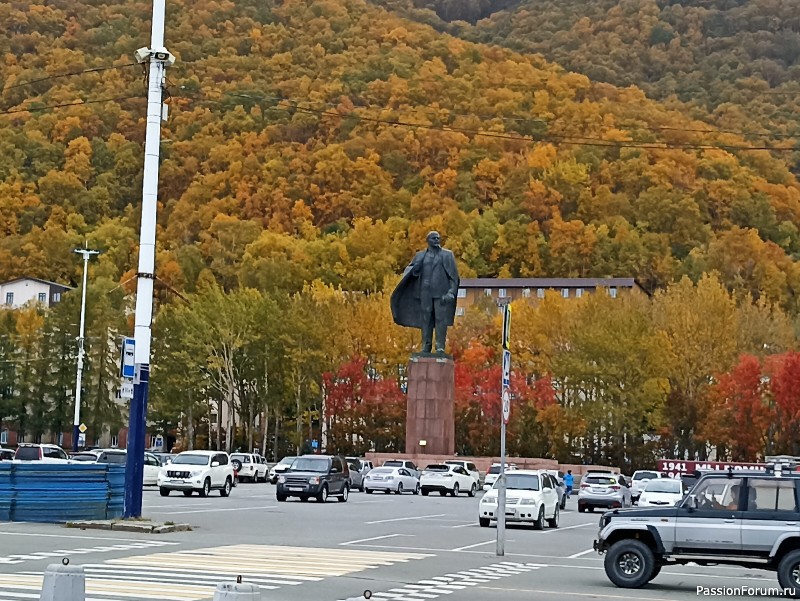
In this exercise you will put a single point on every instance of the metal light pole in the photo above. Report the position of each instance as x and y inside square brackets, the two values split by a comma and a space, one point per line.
[158, 58]
[505, 395]
[76, 422]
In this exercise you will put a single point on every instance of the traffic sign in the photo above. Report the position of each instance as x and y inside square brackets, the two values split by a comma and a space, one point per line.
[81, 439]
[159, 441]
[128, 362]
[315, 444]
[82, 428]
[506, 405]
[506, 326]
[506, 369]
[126, 390]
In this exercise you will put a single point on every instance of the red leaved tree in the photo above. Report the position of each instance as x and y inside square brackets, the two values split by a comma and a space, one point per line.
[784, 373]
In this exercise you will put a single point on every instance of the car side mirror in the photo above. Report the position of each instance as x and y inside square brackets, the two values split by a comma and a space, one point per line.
[334, 470]
[215, 464]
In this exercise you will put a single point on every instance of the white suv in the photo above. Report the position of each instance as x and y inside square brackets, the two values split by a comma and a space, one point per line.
[640, 479]
[197, 470]
[251, 466]
[46, 453]
[531, 497]
[470, 467]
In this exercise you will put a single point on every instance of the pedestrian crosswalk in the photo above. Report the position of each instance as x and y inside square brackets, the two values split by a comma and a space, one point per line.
[191, 575]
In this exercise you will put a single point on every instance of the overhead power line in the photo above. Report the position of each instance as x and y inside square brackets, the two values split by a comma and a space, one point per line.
[70, 74]
[37, 109]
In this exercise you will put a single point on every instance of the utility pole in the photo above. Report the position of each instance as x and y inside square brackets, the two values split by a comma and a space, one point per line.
[158, 58]
[76, 423]
[505, 395]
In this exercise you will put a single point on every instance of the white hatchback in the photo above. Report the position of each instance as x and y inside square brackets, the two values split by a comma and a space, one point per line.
[662, 492]
[197, 470]
[447, 478]
[531, 497]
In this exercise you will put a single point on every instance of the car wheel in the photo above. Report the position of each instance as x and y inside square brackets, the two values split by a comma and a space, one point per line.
[304, 498]
[281, 498]
[425, 492]
[539, 523]
[564, 503]
[345, 494]
[581, 508]
[789, 574]
[655, 572]
[484, 522]
[361, 487]
[187, 493]
[399, 490]
[553, 522]
[591, 508]
[629, 564]
[455, 490]
[471, 492]
[442, 493]
[386, 491]
[368, 491]
[164, 492]
[206, 490]
[416, 490]
[322, 497]
[226, 490]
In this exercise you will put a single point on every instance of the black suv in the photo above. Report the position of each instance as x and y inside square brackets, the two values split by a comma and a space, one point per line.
[318, 476]
[744, 518]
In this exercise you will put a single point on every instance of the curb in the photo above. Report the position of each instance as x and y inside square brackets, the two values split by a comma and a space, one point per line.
[140, 527]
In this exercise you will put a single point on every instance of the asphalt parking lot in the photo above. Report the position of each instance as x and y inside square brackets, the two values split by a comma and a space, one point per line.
[398, 547]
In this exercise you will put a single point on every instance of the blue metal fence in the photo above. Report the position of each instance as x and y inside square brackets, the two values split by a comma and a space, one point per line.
[60, 492]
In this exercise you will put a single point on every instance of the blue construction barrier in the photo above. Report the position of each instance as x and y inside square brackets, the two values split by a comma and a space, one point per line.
[60, 492]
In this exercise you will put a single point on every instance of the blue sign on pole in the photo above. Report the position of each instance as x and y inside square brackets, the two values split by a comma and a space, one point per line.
[315, 444]
[506, 369]
[159, 441]
[128, 362]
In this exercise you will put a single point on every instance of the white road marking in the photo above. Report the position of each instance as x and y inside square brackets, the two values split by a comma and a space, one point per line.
[556, 530]
[576, 555]
[364, 540]
[488, 542]
[89, 538]
[463, 525]
[559, 593]
[416, 517]
[216, 510]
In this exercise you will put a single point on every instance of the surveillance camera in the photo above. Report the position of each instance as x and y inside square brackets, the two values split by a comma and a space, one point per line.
[164, 55]
[142, 55]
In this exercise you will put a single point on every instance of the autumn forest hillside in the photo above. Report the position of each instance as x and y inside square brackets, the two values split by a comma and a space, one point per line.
[321, 139]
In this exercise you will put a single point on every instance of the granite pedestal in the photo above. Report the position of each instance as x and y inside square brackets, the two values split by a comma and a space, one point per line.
[430, 421]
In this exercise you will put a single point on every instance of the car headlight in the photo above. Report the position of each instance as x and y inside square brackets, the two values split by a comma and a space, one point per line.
[281, 479]
[489, 499]
[313, 480]
[528, 502]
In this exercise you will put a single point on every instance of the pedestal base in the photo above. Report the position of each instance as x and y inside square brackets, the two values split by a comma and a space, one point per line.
[430, 421]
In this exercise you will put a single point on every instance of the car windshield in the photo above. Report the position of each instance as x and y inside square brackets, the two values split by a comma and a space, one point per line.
[381, 470]
[191, 459]
[521, 482]
[86, 457]
[437, 468]
[605, 480]
[645, 476]
[240, 457]
[28, 453]
[118, 458]
[393, 464]
[664, 485]
[287, 461]
[495, 469]
[310, 464]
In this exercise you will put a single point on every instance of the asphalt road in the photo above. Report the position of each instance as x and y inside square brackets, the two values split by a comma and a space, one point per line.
[398, 547]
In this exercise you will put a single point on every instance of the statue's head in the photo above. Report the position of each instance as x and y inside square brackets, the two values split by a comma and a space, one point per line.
[434, 240]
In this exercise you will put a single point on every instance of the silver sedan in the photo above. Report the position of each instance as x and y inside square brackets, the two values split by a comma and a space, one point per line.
[391, 479]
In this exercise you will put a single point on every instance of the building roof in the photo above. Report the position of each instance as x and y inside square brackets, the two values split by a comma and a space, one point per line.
[548, 282]
[48, 282]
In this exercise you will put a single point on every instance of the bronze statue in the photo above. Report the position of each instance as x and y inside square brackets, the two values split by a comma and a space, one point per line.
[426, 295]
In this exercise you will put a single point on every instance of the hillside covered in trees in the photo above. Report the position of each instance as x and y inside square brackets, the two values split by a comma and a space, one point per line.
[310, 146]
[733, 62]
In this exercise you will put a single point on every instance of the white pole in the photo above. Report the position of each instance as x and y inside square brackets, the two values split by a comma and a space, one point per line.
[158, 57]
[76, 422]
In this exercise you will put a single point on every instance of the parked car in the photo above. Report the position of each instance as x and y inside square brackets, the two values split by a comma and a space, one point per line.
[558, 476]
[165, 458]
[152, 465]
[356, 476]
[447, 478]
[470, 467]
[409, 465]
[494, 472]
[364, 465]
[47, 453]
[318, 476]
[640, 479]
[6, 454]
[200, 471]
[280, 468]
[250, 466]
[662, 492]
[391, 479]
[603, 490]
[531, 497]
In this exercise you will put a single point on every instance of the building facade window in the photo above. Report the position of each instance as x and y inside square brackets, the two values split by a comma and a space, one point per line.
[3, 436]
[503, 293]
[487, 291]
[114, 441]
[462, 293]
[9, 298]
[42, 297]
[612, 292]
[578, 292]
[56, 297]
[540, 293]
[565, 293]
[526, 293]
[152, 441]
[460, 311]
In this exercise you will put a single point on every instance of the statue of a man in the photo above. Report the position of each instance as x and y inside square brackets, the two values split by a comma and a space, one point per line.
[426, 295]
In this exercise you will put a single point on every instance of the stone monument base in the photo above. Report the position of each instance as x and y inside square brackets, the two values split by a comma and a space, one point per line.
[430, 421]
